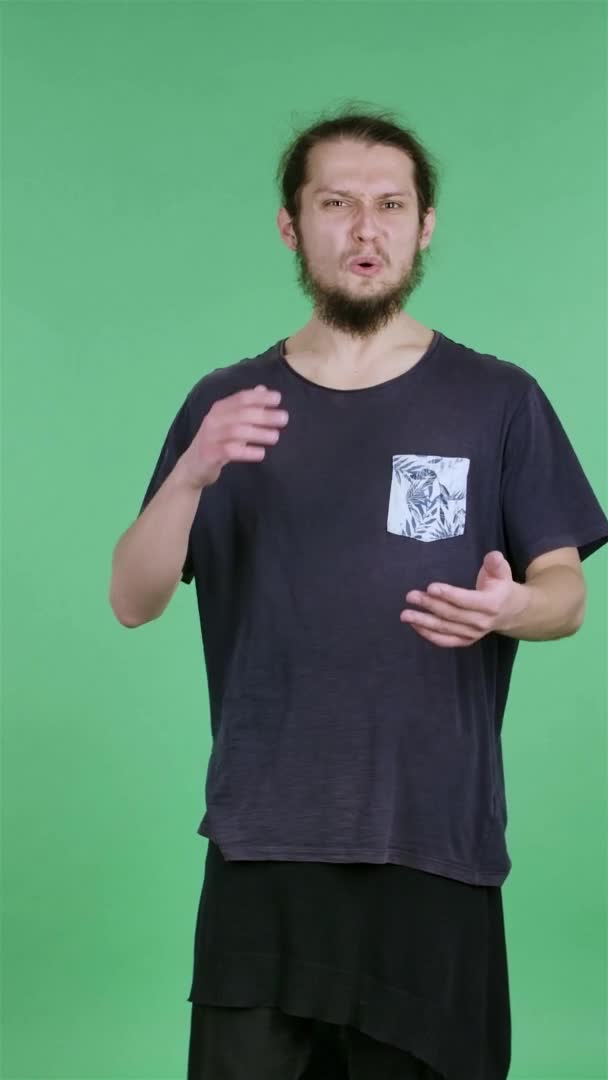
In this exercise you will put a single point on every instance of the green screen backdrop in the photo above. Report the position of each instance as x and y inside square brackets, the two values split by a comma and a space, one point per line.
[140, 251]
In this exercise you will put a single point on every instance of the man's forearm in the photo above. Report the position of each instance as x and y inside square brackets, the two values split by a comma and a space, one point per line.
[552, 606]
[148, 559]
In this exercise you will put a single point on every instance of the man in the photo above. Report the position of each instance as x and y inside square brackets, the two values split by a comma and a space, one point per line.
[374, 516]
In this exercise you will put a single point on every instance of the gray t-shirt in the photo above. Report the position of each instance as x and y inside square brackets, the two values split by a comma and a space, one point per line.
[339, 733]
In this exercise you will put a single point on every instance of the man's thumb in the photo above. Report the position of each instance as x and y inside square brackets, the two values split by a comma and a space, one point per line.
[496, 565]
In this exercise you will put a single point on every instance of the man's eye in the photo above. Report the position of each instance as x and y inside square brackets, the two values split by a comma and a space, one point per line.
[389, 202]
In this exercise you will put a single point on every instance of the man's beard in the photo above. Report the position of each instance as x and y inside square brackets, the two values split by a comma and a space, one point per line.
[359, 316]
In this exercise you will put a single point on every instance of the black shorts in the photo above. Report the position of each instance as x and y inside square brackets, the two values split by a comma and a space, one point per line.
[267, 1044]
[347, 961]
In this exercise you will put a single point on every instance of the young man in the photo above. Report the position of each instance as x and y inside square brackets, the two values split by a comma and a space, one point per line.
[374, 516]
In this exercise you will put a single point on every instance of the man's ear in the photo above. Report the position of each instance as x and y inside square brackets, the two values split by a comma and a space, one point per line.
[286, 229]
[428, 228]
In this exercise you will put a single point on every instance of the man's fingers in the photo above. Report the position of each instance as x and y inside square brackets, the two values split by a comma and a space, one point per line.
[236, 451]
[260, 395]
[252, 415]
[472, 599]
[233, 413]
[443, 640]
[450, 612]
[437, 625]
[249, 433]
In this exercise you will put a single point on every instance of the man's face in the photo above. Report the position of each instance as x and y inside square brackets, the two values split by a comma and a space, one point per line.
[361, 200]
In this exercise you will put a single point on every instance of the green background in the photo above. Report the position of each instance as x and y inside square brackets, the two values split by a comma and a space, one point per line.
[139, 251]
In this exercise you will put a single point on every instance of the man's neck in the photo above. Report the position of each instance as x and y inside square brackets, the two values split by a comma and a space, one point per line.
[319, 355]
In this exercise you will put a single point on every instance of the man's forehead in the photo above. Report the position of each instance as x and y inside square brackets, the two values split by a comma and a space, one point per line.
[362, 171]
[346, 188]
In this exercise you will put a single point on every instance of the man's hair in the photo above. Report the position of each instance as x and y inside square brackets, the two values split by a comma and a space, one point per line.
[366, 127]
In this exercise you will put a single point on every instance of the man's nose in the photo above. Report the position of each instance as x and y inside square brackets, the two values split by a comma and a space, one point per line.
[366, 225]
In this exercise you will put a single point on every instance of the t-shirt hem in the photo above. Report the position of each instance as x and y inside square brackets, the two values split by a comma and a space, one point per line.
[401, 856]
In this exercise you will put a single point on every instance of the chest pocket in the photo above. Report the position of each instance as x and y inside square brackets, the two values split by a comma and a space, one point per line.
[428, 499]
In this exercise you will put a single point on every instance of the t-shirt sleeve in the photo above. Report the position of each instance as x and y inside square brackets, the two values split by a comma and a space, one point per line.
[547, 500]
[178, 438]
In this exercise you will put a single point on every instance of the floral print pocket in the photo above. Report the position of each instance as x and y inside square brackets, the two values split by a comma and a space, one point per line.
[428, 496]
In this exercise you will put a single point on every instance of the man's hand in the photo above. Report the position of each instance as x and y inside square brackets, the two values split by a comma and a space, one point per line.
[236, 428]
[455, 617]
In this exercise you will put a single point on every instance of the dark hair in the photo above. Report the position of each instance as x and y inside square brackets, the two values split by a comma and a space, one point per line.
[367, 127]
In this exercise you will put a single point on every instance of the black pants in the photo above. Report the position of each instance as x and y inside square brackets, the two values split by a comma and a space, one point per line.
[231, 1043]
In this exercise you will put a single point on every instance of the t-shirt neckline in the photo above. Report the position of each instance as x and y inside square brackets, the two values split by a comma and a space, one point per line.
[408, 375]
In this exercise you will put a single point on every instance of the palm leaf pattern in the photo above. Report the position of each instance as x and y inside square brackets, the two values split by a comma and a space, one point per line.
[428, 496]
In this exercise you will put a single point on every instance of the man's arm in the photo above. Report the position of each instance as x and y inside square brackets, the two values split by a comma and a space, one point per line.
[554, 598]
[148, 559]
[551, 603]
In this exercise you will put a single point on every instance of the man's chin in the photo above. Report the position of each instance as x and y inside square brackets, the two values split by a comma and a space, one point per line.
[357, 319]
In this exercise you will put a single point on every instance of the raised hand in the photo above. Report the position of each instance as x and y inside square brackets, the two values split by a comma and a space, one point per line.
[236, 428]
[456, 617]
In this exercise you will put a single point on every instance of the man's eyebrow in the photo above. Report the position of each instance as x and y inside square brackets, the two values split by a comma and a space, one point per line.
[348, 194]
